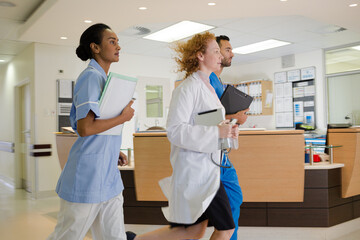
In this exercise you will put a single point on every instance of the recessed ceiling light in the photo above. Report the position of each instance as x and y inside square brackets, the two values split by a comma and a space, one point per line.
[7, 4]
[178, 31]
[356, 47]
[283, 0]
[260, 46]
[63, 38]
[211, 4]
[353, 5]
[142, 8]
[87, 21]
[2, 60]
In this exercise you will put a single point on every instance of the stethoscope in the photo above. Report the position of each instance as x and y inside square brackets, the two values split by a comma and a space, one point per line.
[223, 152]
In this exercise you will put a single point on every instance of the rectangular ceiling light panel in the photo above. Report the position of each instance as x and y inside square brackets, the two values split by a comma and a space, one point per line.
[178, 31]
[260, 46]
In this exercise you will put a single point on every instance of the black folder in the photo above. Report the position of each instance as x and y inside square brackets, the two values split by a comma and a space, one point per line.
[235, 100]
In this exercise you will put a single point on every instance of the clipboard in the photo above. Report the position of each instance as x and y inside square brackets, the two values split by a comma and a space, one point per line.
[117, 93]
[210, 118]
[235, 100]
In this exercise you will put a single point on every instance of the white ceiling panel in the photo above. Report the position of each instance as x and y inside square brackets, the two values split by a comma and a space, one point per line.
[304, 23]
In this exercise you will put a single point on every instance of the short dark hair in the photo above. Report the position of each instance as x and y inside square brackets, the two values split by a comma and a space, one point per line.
[222, 37]
[91, 35]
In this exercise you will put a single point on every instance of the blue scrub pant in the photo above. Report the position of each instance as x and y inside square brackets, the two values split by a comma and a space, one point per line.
[230, 181]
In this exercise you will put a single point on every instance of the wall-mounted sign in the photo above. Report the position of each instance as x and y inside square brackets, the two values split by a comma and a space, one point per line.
[293, 75]
[307, 73]
[280, 77]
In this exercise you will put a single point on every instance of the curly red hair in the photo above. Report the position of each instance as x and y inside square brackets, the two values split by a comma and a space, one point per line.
[187, 59]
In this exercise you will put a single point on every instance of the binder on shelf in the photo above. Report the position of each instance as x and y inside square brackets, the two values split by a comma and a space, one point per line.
[117, 93]
[234, 100]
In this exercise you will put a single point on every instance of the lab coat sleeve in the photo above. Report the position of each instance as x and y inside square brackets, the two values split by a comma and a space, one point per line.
[180, 130]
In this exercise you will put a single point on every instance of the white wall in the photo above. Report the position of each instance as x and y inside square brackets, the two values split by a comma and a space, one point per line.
[11, 74]
[42, 62]
[49, 59]
[266, 69]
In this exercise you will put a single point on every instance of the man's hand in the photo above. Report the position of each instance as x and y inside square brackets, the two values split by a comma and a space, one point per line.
[122, 159]
[240, 116]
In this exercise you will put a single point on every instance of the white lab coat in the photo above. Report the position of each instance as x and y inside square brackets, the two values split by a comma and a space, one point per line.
[195, 178]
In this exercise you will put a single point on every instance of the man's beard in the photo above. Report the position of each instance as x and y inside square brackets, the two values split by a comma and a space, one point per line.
[226, 63]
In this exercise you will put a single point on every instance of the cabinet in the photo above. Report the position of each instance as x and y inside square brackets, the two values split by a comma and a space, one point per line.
[262, 91]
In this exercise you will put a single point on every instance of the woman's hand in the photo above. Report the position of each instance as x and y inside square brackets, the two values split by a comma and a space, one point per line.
[225, 129]
[123, 160]
[234, 131]
[128, 112]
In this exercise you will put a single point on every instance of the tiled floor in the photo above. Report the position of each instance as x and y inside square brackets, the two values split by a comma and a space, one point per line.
[24, 218]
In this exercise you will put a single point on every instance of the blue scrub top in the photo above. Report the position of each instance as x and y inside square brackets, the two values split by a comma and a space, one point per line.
[91, 174]
[217, 85]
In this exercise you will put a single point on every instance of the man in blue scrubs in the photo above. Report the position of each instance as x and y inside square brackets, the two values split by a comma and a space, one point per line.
[228, 175]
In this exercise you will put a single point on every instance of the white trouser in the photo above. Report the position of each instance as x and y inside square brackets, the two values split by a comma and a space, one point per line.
[106, 220]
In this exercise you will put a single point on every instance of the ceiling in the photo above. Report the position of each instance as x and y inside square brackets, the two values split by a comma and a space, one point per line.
[307, 24]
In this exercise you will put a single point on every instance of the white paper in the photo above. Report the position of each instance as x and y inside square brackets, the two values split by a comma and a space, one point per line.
[288, 90]
[298, 92]
[309, 90]
[280, 77]
[279, 104]
[65, 88]
[288, 104]
[117, 95]
[288, 119]
[280, 120]
[302, 84]
[279, 90]
[309, 104]
[308, 73]
[284, 119]
[293, 75]
[299, 109]
[268, 101]
[309, 117]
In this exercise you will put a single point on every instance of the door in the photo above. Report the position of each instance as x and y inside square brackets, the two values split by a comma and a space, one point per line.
[25, 125]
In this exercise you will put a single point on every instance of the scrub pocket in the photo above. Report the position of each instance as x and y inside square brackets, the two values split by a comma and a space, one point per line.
[88, 173]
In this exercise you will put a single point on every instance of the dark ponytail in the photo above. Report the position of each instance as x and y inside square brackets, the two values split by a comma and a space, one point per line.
[91, 35]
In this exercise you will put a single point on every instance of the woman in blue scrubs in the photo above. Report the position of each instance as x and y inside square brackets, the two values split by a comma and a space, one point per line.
[90, 186]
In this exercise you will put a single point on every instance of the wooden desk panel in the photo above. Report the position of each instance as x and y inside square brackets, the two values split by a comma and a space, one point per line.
[152, 163]
[348, 154]
[270, 167]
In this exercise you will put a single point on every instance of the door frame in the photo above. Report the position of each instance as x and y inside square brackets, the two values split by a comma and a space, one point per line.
[18, 136]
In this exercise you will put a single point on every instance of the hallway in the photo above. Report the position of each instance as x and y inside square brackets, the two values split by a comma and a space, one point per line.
[25, 218]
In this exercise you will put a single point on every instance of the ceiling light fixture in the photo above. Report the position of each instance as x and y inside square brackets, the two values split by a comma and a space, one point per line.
[142, 8]
[7, 4]
[260, 46]
[353, 5]
[283, 0]
[87, 21]
[178, 31]
[211, 4]
[356, 47]
[63, 38]
[2, 60]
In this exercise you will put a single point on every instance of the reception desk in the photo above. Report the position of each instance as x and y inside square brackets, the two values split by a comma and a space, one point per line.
[349, 155]
[278, 188]
[270, 165]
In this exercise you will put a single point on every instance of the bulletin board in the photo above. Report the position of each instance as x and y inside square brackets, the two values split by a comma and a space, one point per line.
[295, 97]
[64, 96]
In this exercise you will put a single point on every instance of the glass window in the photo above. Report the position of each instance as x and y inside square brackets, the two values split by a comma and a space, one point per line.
[154, 101]
[342, 59]
[344, 98]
